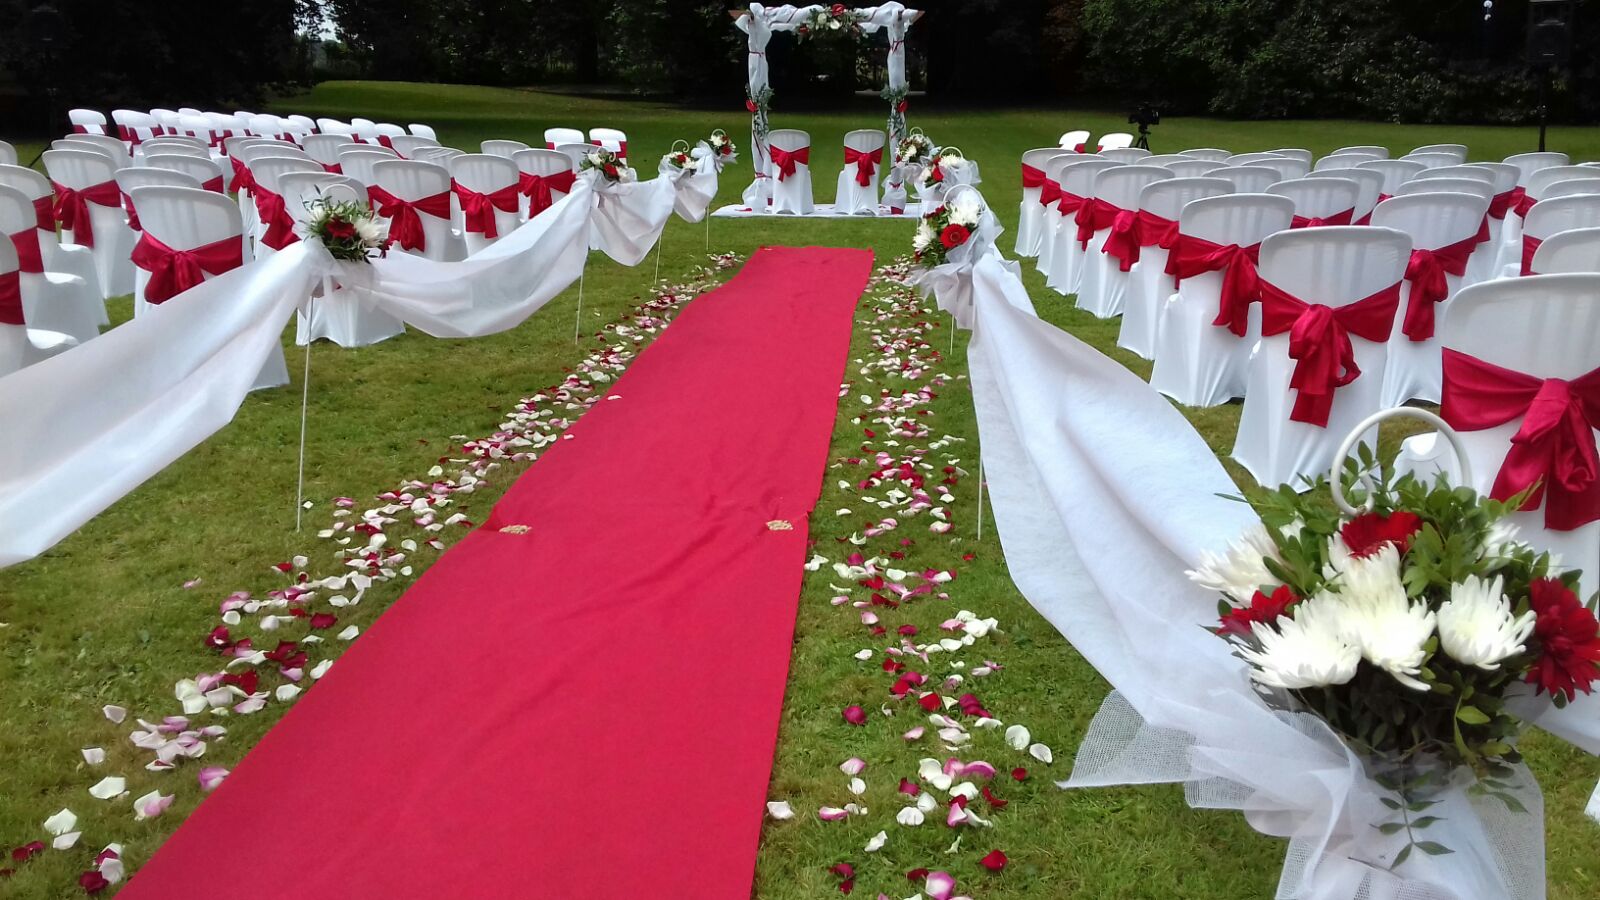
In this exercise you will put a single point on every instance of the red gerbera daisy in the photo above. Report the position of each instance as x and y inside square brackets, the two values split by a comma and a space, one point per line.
[1569, 640]
[1263, 608]
[954, 235]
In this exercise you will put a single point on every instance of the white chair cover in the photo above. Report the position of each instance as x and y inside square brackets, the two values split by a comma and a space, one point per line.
[1192, 168]
[1116, 140]
[1395, 172]
[1367, 149]
[1198, 363]
[339, 317]
[1247, 179]
[113, 239]
[791, 195]
[1458, 151]
[266, 170]
[412, 180]
[1063, 261]
[87, 121]
[1210, 154]
[8, 154]
[1511, 233]
[1103, 289]
[487, 174]
[1551, 217]
[1568, 252]
[68, 259]
[1370, 183]
[854, 198]
[1320, 198]
[21, 345]
[555, 137]
[1030, 211]
[1076, 141]
[1435, 160]
[422, 130]
[577, 151]
[1333, 266]
[1301, 154]
[543, 163]
[508, 148]
[51, 301]
[611, 139]
[1125, 155]
[358, 163]
[1336, 161]
[1464, 170]
[112, 147]
[324, 149]
[1149, 285]
[406, 146]
[1412, 370]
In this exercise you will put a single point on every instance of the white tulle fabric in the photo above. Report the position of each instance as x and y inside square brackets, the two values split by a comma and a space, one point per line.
[1104, 495]
[86, 427]
[696, 185]
[950, 283]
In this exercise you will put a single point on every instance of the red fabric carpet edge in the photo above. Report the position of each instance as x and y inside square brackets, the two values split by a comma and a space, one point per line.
[588, 709]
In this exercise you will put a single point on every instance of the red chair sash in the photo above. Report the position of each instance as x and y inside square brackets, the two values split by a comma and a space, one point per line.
[133, 214]
[622, 149]
[1482, 237]
[786, 160]
[1033, 177]
[1553, 452]
[44, 213]
[1427, 273]
[80, 129]
[1069, 204]
[174, 271]
[29, 257]
[272, 211]
[477, 209]
[1095, 215]
[1157, 231]
[11, 299]
[1241, 283]
[405, 216]
[539, 189]
[1500, 203]
[1122, 244]
[1530, 246]
[1049, 191]
[1338, 218]
[866, 163]
[384, 141]
[1080, 147]
[72, 208]
[243, 180]
[1520, 201]
[1319, 342]
[335, 168]
[213, 185]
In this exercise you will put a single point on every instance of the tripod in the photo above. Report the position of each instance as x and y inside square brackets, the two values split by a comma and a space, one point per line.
[1143, 143]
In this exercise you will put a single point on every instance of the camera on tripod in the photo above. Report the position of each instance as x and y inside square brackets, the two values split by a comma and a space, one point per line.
[1144, 115]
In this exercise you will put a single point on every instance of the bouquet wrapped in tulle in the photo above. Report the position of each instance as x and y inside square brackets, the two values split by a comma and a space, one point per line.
[608, 165]
[348, 229]
[947, 228]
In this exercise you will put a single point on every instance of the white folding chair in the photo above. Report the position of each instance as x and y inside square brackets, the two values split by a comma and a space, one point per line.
[1103, 289]
[92, 178]
[1125, 155]
[1371, 184]
[1209, 154]
[1568, 252]
[113, 147]
[1160, 208]
[1320, 201]
[423, 131]
[66, 258]
[203, 170]
[857, 190]
[1366, 149]
[422, 188]
[554, 137]
[1444, 230]
[274, 232]
[87, 121]
[1114, 141]
[576, 152]
[546, 176]
[1459, 151]
[611, 139]
[1197, 362]
[1076, 141]
[324, 149]
[1435, 160]
[406, 146]
[791, 193]
[365, 129]
[1063, 261]
[1247, 179]
[1541, 327]
[20, 345]
[1032, 210]
[1303, 155]
[8, 154]
[1334, 267]
[1395, 172]
[1338, 161]
[487, 186]
[1193, 168]
[52, 301]
[1549, 218]
[358, 163]
[1511, 232]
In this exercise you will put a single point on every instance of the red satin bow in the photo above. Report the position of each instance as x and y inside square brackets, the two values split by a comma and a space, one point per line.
[384, 141]
[29, 257]
[1145, 230]
[11, 299]
[786, 160]
[133, 214]
[1553, 452]
[72, 208]
[1427, 273]
[1079, 147]
[1367, 219]
[405, 219]
[213, 185]
[1094, 215]
[538, 188]
[1520, 201]
[1530, 246]
[335, 168]
[1500, 203]
[1319, 342]
[1032, 177]
[1069, 204]
[1241, 283]
[477, 209]
[44, 213]
[1049, 191]
[866, 163]
[174, 271]
[242, 179]
[271, 210]
[1339, 218]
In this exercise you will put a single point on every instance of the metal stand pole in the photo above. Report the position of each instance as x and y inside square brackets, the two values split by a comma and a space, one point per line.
[305, 404]
[577, 321]
[980, 497]
[659, 241]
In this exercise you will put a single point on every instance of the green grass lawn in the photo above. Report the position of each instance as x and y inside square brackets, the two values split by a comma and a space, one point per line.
[105, 617]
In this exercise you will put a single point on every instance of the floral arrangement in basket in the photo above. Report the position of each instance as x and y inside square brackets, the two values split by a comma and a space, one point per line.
[915, 149]
[723, 149]
[608, 164]
[1410, 628]
[948, 227]
[837, 19]
[348, 229]
[947, 164]
[678, 157]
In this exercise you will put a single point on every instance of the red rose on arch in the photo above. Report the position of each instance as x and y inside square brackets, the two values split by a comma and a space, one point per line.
[750, 105]
[1367, 533]
[838, 9]
[1569, 641]
[902, 106]
[1263, 608]
[954, 235]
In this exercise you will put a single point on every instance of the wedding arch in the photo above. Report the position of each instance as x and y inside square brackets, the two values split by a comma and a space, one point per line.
[759, 22]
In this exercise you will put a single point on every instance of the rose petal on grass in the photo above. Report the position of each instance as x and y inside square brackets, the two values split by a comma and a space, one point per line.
[108, 787]
[780, 810]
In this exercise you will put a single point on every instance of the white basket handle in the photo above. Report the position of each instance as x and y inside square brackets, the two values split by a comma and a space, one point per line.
[678, 149]
[1376, 418]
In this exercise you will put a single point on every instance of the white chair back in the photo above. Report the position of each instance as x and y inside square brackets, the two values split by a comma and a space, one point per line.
[79, 169]
[1210, 154]
[325, 148]
[365, 129]
[1189, 168]
[1319, 198]
[1470, 186]
[1435, 160]
[1077, 176]
[1038, 156]
[406, 145]
[1169, 198]
[423, 131]
[873, 139]
[358, 163]
[300, 188]
[611, 139]
[1459, 151]
[505, 148]
[78, 143]
[1339, 161]
[1121, 186]
[1239, 218]
[1304, 156]
[304, 125]
[201, 170]
[1115, 141]
[1529, 163]
[113, 147]
[413, 180]
[1124, 155]
[1539, 181]
[334, 126]
[1364, 149]
[1163, 159]
[185, 218]
[1072, 140]
[1482, 173]
[8, 154]
[269, 169]
[553, 137]
[128, 179]
[1247, 179]
[170, 145]
[1571, 188]
[577, 152]
[390, 130]
[87, 121]
[1505, 175]
[1551, 217]
[1433, 220]
[1371, 187]
[542, 162]
[1571, 251]
[1395, 172]
[487, 174]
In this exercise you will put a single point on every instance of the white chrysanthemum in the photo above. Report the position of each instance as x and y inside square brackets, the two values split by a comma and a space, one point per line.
[370, 229]
[1375, 614]
[965, 208]
[1307, 651]
[1239, 571]
[1501, 540]
[1477, 627]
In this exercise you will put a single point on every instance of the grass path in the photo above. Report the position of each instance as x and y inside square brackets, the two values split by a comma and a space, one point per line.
[105, 618]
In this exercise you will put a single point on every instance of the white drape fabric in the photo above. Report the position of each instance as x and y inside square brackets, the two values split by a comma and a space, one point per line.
[1103, 496]
[85, 428]
[696, 186]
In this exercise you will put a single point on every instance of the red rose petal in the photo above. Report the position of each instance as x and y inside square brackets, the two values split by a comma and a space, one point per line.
[855, 715]
[994, 862]
[1020, 774]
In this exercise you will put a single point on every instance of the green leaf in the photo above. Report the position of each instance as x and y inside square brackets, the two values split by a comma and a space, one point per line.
[1433, 848]
[1405, 854]
[1391, 803]
[1390, 827]
[1425, 821]
[1472, 715]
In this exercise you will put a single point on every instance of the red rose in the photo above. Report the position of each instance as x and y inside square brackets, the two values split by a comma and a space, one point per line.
[750, 105]
[838, 9]
[954, 236]
[1262, 609]
[1367, 533]
[340, 230]
[724, 150]
[902, 106]
[1569, 640]
[611, 170]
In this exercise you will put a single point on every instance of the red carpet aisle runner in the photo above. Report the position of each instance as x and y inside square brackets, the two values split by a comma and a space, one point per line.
[587, 709]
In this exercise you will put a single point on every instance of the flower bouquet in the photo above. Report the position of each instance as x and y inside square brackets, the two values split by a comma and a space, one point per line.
[915, 149]
[945, 168]
[1416, 629]
[835, 20]
[943, 230]
[607, 165]
[677, 159]
[349, 229]
[722, 148]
